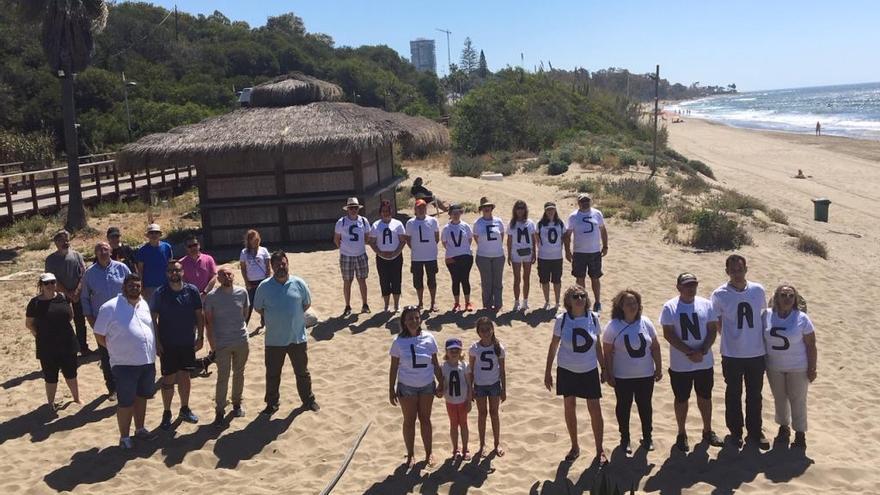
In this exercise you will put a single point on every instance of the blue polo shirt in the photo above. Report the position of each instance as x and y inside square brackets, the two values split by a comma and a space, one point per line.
[155, 260]
[101, 284]
[282, 306]
[177, 314]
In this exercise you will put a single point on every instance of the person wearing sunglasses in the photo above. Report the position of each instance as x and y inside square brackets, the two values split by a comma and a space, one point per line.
[152, 261]
[791, 362]
[351, 237]
[199, 269]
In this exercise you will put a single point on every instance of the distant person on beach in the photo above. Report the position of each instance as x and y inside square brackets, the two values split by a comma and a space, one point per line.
[255, 267]
[488, 379]
[457, 392]
[419, 191]
[124, 326]
[586, 242]
[521, 253]
[791, 362]
[48, 316]
[411, 380]
[457, 237]
[102, 282]
[739, 304]
[690, 325]
[800, 175]
[386, 239]
[549, 236]
[422, 235]
[121, 251]
[633, 361]
[152, 261]
[199, 269]
[350, 237]
[576, 337]
[489, 233]
[818, 129]
[68, 267]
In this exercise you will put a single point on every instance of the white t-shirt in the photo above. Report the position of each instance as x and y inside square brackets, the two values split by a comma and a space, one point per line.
[255, 265]
[486, 368]
[521, 236]
[128, 330]
[416, 368]
[578, 338]
[586, 232]
[490, 237]
[632, 347]
[690, 322]
[740, 314]
[786, 350]
[353, 235]
[387, 234]
[457, 239]
[422, 239]
[455, 378]
[551, 240]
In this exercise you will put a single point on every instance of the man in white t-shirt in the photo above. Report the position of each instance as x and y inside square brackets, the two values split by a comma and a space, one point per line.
[739, 304]
[351, 238]
[422, 236]
[586, 232]
[690, 325]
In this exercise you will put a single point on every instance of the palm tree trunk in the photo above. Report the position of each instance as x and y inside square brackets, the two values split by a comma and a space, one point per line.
[76, 213]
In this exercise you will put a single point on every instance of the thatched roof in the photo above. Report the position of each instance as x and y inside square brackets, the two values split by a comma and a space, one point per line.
[295, 88]
[321, 126]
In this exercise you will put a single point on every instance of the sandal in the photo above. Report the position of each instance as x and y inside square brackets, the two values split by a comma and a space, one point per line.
[456, 454]
[499, 451]
[572, 455]
[466, 455]
[601, 459]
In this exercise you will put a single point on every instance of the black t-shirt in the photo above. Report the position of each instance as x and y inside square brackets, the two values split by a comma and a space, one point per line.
[55, 335]
[125, 255]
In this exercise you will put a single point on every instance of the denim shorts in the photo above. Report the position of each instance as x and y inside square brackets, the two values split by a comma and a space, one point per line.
[407, 391]
[134, 381]
[493, 390]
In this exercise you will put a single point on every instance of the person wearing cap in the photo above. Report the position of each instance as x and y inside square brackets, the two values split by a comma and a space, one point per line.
[48, 317]
[457, 237]
[386, 240]
[740, 304]
[489, 233]
[550, 232]
[152, 261]
[199, 269]
[120, 251]
[690, 325]
[457, 393]
[521, 252]
[419, 191]
[350, 237]
[68, 267]
[422, 236]
[101, 282]
[586, 242]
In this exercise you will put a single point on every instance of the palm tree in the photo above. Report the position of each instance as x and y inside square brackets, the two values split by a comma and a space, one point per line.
[67, 34]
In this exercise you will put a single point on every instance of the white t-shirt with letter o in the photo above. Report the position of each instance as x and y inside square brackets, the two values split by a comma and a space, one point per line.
[584, 226]
[416, 368]
[387, 234]
[632, 347]
[422, 238]
[486, 368]
[457, 239]
[690, 321]
[551, 240]
[578, 338]
[490, 237]
[786, 349]
[740, 312]
[352, 235]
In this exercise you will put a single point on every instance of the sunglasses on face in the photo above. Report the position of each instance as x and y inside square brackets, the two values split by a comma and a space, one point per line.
[50, 282]
[578, 297]
[786, 294]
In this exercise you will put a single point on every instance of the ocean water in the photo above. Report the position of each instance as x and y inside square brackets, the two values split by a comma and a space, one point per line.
[851, 110]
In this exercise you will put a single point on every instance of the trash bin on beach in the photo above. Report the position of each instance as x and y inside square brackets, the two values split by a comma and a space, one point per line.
[820, 209]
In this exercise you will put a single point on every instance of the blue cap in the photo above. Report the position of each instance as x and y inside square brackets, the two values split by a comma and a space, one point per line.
[453, 344]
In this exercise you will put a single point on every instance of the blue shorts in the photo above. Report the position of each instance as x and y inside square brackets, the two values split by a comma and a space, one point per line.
[407, 391]
[134, 381]
[493, 390]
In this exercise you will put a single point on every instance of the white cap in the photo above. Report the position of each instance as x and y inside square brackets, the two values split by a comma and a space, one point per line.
[47, 277]
[153, 227]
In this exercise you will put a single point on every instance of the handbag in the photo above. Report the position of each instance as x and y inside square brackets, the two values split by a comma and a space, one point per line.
[526, 251]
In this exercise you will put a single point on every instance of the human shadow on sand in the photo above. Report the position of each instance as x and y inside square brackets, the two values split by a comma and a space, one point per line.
[40, 425]
[462, 475]
[325, 330]
[14, 382]
[562, 485]
[244, 444]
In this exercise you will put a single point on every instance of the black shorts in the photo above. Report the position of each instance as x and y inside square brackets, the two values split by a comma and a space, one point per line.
[583, 264]
[177, 358]
[550, 271]
[65, 362]
[582, 385]
[417, 268]
[700, 380]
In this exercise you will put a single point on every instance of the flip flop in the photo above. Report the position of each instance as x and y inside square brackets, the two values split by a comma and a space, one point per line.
[466, 455]
[601, 459]
[572, 455]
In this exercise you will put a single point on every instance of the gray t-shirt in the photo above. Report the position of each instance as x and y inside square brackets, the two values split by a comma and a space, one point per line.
[228, 318]
[68, 269]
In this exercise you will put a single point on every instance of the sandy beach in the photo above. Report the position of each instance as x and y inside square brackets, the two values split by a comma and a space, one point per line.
[299, 452]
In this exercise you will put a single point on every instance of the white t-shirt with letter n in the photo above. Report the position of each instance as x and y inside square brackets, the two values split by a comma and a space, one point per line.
[457, 239]
[786, 350]
[387, 234]
[422, 240]
[740, 312]
[690, 322]
[584, 227]
[353, 235]
[456, 381]
[551, 240]
[632, 347]
[490, 237]
[578, 338]
[416, 368]
[486, 368]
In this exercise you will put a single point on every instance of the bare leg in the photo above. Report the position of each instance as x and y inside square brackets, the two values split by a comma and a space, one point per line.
[496, 424]
[557, 288]
[580, 281]
[183, 386]
[432, 289]
[517, 269]
[597, 286]
[140, 412]
[465, 433]
[420, 292]
[482, 414]
[51, 388]
[571, 422]
[386, 298]
[168, 390]
[73, 385]
[705, 407]
[545, 288]
[346, 292]
[681, 414]
[396, 300]
[424, 413]
[410, 407]
[526, 279]
[362, 285]
[123, 419]
[597, 423]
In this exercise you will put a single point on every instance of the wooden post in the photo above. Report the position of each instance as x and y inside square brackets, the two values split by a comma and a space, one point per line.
[116, 179]
[134, 187]
[34, 194]
[57, 189]
[8, 193]
[176, 175]
[97, 174]
[163, 175]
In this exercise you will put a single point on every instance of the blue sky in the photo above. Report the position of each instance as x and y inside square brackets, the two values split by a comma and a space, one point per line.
[755, 44]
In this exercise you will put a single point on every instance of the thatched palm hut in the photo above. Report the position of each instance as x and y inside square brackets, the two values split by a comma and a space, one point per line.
[287, 163]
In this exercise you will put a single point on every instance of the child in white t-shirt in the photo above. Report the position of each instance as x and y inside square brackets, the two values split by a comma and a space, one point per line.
[521, 252]
[458, 396]
[488, 381]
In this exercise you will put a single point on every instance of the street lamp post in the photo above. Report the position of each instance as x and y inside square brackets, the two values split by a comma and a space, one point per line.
[125, 85]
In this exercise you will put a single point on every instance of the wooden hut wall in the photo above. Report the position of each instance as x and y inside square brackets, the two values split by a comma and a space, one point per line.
[385, 158]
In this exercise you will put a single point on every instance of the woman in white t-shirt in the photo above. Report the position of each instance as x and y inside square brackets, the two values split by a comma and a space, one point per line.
[385, 239]
[350, 237]
[791, 362]
[549, 236]
[632, 356]
[489, 234]
[576, 336]
[521, 252]
[255, 267]
[414, 367]
[457, 237]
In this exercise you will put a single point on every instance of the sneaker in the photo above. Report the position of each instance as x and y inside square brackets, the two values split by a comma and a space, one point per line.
[761, 441]
[269, 410]
[516, 306]
[365, 308]
[800, 440]
[346, 312]
[218, 418]
[396, 310]
[734, 440]
[126, 443]
[145, 434]
[784, 434]
[166, 420]
[111, 396]
[456, 308]
[524, 306]
[187, 415]
[469, 307]
[237, 411]
[547, 306]
[314, 406]
[648, 444]
[712, 439]
[681, 441]
[597, 307]
[626, 445]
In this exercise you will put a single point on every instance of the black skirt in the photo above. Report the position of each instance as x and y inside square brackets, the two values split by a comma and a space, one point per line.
[582, 385]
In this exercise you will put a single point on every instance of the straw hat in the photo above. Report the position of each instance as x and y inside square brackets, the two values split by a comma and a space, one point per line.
[352, 202]
[484, 201]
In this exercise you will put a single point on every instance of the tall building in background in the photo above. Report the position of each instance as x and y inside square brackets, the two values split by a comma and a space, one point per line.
[423, 55]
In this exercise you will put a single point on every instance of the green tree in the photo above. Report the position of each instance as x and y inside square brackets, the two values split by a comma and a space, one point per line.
[483, 69]
[469, 62]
